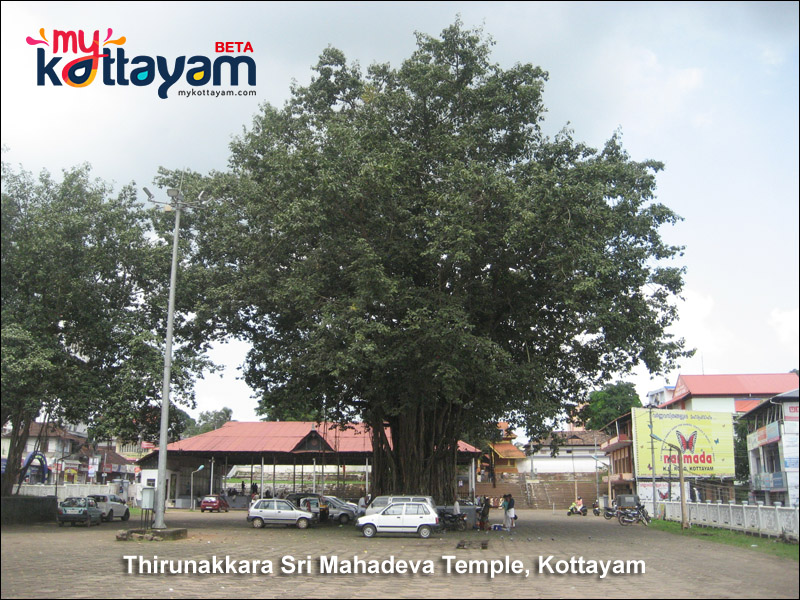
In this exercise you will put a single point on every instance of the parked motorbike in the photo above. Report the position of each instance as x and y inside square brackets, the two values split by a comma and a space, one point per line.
[453, 522]
[629, 516]
[596, 508]
[574, 510]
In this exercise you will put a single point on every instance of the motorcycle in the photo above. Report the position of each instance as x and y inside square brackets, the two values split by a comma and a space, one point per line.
[454, 522]
[574, 510]
[628, 516]
[596, 508]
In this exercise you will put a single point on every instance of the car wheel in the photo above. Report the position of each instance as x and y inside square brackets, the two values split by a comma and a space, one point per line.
[258, 523]
[110, 516]
[369, 531]
[344, 519]
[202, 510]
[61, 523]
[425, 531]
[302, 523]
[127, 515]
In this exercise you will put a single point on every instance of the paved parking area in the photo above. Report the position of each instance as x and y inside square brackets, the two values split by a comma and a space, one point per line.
[43, 561]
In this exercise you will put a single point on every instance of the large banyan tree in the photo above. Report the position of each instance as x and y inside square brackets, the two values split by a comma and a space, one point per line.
[405, 247]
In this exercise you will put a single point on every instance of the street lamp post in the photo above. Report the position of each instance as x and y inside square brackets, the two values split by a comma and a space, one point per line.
[161, 480]
[571, 439]
[191, 484]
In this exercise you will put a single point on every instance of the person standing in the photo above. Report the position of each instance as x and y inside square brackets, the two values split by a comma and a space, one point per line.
[504, 506]
[512, 513]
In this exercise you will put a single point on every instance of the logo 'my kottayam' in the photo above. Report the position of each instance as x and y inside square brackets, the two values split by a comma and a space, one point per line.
[82, 70]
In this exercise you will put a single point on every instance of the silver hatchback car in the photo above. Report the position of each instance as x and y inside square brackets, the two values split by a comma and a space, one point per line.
[275, 511]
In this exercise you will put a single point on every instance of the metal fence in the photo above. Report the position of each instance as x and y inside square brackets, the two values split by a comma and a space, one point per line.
[752, 518]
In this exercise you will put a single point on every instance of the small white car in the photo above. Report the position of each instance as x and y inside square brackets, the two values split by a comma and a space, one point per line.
[112, 506]
[401, 517]
[378, 503]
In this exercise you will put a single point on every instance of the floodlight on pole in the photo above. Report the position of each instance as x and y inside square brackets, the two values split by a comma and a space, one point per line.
[191, 483]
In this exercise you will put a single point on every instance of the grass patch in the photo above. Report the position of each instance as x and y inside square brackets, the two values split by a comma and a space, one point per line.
[771, 546]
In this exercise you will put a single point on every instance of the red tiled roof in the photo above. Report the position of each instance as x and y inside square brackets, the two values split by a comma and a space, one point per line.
[760, 385]
[282, 436]
[507, 450]
[743, 406]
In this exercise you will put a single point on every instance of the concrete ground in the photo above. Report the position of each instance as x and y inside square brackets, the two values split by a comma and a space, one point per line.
[45, 561]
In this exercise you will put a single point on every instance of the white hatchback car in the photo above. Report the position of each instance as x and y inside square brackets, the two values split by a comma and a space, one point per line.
[402, 517]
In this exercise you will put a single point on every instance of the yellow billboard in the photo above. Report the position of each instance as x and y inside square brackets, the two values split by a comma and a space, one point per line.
[705, 439]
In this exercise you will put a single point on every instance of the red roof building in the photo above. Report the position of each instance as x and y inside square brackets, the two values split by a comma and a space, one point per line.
[728, 393]
[283, 440]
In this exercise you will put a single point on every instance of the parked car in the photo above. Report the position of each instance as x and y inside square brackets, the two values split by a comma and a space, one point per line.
[214, 502]
[378, 503]
[79, 510]
[295, 497]
[316, 506]
[276, 511]
[111, 506]
[341, 511]
[401, 517]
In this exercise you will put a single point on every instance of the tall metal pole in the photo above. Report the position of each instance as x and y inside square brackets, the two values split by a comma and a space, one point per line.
[653, 461]
[161, 481]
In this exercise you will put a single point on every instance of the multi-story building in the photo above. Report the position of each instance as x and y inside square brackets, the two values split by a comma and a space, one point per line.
[772, 448]
[728, 393]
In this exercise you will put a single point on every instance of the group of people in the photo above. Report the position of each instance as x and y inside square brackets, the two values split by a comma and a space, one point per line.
[509, 512]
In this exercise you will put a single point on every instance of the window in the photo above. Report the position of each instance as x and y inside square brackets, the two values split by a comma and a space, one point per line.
[394, 509]
[416, 509]
[283, 505]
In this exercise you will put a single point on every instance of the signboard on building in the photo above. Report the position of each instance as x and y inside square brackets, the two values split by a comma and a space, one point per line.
[705, 439]
[666, 490]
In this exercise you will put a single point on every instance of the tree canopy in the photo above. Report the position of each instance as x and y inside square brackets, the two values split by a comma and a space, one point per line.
[406, 247]
[611, 402]
[84, 284]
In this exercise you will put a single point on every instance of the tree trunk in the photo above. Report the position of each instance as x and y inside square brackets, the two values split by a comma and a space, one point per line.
[422, 456]
[20, 429]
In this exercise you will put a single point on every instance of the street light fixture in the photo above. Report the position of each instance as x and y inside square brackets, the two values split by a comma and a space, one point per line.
[191, 483]
[161, 481]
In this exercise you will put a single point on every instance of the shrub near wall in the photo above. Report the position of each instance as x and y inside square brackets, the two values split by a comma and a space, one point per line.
[28, 509]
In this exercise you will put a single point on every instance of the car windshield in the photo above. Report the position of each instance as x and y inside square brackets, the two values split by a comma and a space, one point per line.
[210, 499]
[74, 502]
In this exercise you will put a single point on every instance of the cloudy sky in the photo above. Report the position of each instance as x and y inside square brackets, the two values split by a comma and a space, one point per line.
[710, 89]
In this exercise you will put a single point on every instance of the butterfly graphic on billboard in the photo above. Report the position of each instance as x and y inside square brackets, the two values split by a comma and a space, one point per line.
[687, 445]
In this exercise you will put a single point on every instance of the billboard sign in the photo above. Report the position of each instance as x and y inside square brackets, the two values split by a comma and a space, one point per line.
[705, 439]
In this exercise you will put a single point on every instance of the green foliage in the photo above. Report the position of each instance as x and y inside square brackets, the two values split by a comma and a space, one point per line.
[208, 421]
[84, 288]
[405, 247]
[741, 456]
[608, 404]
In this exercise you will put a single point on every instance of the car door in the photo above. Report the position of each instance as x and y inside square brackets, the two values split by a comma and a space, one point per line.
[416, 515]
[264, 509]
[391, 519]
[285, 512]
